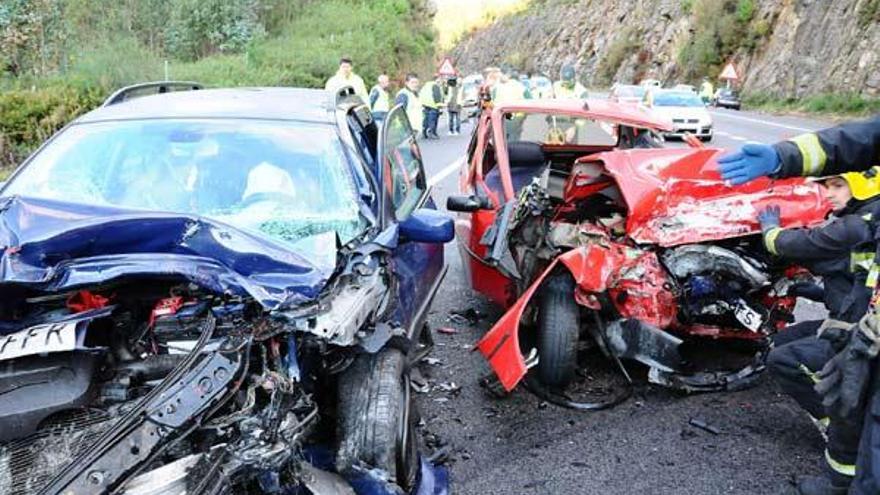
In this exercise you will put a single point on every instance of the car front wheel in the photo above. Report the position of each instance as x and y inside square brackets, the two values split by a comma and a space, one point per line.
[558, 331]
[377, 417]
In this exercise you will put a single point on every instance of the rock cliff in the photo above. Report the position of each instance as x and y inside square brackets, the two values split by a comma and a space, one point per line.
[790, 48]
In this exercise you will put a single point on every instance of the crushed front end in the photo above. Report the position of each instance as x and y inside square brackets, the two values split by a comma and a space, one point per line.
[652, 278]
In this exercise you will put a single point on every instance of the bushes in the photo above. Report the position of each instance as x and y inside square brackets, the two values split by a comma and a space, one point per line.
[29, 117]
[850, 104]
[721, 28]
[869, 12]
[625, 45]
[113, 43]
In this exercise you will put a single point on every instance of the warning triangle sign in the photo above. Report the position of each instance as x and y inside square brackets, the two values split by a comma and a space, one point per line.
[729, 73]
[446, 68]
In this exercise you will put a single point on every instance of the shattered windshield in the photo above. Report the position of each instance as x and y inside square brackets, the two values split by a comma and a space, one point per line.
[289, 181]
[553, 129]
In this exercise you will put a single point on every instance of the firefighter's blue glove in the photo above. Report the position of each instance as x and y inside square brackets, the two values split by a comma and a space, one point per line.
[750, 162]
[769, 218]
[843, 382]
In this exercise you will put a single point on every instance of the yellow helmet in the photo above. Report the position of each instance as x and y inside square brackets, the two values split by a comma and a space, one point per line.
[863, 185]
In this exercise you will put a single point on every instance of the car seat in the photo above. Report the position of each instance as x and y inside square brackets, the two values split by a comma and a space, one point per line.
[526, 160]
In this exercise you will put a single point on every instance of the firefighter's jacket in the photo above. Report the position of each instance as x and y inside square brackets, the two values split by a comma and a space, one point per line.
[851, 147]
[841, 251]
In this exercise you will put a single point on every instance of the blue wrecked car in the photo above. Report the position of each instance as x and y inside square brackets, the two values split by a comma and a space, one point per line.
[217, 291]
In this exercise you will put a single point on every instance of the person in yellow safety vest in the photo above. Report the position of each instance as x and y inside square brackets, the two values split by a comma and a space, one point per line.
[345, 76]
[408, 97]
[380, 100]
[706, 91]
[568, 87]
[431, 96]
[509, 89]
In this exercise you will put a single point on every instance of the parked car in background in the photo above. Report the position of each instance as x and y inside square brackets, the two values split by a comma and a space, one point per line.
[541, 87]
[627, 93]
[727, 98]
[217, 291]
[685, 109]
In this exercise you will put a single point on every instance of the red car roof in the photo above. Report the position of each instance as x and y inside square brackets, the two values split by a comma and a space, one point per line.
[604, 110]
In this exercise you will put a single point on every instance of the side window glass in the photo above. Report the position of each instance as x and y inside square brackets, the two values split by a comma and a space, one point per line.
[404, 175]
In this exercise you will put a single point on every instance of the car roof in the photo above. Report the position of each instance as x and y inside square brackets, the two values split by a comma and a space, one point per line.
[312, 105]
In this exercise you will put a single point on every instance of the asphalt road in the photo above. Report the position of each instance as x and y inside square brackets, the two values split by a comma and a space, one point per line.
[520, 445]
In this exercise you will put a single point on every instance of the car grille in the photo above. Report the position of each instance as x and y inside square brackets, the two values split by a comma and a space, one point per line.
[28, 464]
[685, 121]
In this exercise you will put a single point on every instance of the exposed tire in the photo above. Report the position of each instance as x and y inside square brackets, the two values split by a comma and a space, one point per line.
[558, 331]
[376, 418]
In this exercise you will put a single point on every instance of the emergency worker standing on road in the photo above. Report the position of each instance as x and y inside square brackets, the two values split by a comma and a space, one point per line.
[454, 98]
[508, 89]
[844, 381]
[380, 100]
[568, 87]
[841, 251]
[345, 76]
[706, 91]
[431, 96]
[408, 97]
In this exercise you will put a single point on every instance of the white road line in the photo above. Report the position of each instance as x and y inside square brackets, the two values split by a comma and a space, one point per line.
[738, 138]
[446, 172]
[764, 122]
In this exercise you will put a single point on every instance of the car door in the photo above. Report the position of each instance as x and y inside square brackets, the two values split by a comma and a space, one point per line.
[418, 266]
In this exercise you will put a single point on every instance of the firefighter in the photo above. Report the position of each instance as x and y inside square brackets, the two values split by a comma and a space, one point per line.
[568, 87]
[431, 97]
[841, 251]
[408, 97]
[345, 76]
[844, 381]
[380, 101]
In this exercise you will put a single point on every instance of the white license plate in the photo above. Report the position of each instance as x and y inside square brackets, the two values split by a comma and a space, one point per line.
[39, 339]
[750, 318]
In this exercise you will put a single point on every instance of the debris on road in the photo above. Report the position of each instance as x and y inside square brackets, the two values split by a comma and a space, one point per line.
[469, 316]
[447, 330]
[698, 423]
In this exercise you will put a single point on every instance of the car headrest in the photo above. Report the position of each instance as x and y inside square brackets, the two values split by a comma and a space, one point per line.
[525, 154]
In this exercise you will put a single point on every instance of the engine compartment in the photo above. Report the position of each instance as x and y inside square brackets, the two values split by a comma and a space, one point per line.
[163, 383]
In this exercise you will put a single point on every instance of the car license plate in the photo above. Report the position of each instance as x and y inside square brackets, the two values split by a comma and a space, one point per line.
[750, 318]
[39, 339]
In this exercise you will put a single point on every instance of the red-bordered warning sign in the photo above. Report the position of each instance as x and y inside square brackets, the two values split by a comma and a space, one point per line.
[446, 68]
[729, 73]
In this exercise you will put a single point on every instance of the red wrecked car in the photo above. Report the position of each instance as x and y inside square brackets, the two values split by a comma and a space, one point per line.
[576, 220]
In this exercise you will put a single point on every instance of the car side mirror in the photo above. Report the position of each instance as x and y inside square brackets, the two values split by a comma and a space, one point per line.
[427, 225]
[468, 203]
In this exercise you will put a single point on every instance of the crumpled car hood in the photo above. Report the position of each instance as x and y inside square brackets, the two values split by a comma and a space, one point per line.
[56, 246]
[676, 196]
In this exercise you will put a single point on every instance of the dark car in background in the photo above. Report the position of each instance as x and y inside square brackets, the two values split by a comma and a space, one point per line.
[217, 291]
[727, 98]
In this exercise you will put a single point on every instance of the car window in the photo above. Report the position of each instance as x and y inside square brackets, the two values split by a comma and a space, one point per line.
[404, 175]
[556, 129]
[288, 181]
[677, 99]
